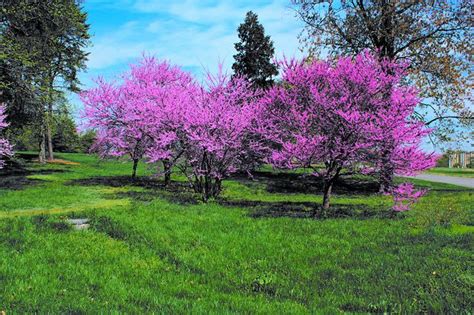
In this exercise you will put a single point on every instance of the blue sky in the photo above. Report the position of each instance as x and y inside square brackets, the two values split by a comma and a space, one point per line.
[194, 34]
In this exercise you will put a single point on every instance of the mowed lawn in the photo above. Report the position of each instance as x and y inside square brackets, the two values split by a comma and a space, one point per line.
[460, 172]
[255, 250]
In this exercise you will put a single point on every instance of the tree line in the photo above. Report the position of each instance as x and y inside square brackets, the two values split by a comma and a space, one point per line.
[349, 116]
[43, 48]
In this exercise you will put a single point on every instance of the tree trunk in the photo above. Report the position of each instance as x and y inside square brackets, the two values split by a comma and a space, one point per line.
[216, 187]
[386, 176]
[49, 118]
[329, 180]
[42, 149]
[134, 171]
[386, 170]
[167, 171]
[49, 140]
[385, 180]
[204, 189]
[327, 189]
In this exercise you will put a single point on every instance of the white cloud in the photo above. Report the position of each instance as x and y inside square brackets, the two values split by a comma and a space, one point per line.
[194, 34]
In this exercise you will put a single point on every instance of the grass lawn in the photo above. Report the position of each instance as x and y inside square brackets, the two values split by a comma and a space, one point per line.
[461, 172]
[255, 250]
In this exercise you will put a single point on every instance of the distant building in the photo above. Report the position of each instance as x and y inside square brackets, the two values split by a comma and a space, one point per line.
[461, 159]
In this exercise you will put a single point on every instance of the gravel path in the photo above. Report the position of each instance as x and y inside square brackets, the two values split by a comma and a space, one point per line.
[460, 181]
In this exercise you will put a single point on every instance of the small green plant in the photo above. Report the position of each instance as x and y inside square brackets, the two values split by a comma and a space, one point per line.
[264, 283]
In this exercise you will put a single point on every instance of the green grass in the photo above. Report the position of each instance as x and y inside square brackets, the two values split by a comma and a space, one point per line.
[152, 250]
[460, 172]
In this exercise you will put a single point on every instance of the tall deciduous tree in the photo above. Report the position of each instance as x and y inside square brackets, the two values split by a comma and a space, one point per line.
[434, 36]
[46, 41]
[340, 115]
[254, 53]
[18, 66]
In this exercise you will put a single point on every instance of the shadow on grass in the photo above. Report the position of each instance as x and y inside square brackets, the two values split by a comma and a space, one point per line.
[181, 193]
[175, 192]
[119, 181]
[14, 176]
[291, 183]
[261, 209]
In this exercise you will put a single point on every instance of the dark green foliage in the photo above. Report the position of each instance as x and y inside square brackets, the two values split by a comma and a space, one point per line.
[46, 39]
[65, 136]
[38, 38]
[25, 138]
[43, 48]
[443, 161]
[86, 140]
[254, 53]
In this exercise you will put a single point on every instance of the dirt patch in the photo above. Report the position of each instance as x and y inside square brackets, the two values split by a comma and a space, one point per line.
[62, 162]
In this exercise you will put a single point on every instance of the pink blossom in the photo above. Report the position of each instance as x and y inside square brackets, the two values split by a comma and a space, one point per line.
[404, 196]
[219, 133]
[5, 147]
[141, 116]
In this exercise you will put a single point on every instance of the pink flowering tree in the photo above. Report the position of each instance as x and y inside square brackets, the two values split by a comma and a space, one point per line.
[340, 115]
[108, 112]
[160, 93]
[141, 116]
[219, 134]
[5, 147]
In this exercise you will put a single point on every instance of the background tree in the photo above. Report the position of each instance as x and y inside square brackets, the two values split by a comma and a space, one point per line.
[18, 67]
[65, 135]
[87, 139]
[46, 41]
[434, 36]
[254, 53]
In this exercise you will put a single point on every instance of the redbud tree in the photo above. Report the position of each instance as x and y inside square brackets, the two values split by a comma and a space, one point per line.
[340, 115]
[141, 116]
[161, 94]
[5, 147]
[219, 132]
[109, 113]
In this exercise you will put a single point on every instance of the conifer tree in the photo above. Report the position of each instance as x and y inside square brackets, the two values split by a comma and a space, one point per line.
[254, 53]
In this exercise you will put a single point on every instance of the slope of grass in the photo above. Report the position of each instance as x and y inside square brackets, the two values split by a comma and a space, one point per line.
[255, 250]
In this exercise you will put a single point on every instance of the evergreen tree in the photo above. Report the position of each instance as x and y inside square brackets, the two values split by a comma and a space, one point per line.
[254, 53]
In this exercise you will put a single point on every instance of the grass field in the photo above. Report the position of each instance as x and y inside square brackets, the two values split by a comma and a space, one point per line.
[461, 172]
[255, 250]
